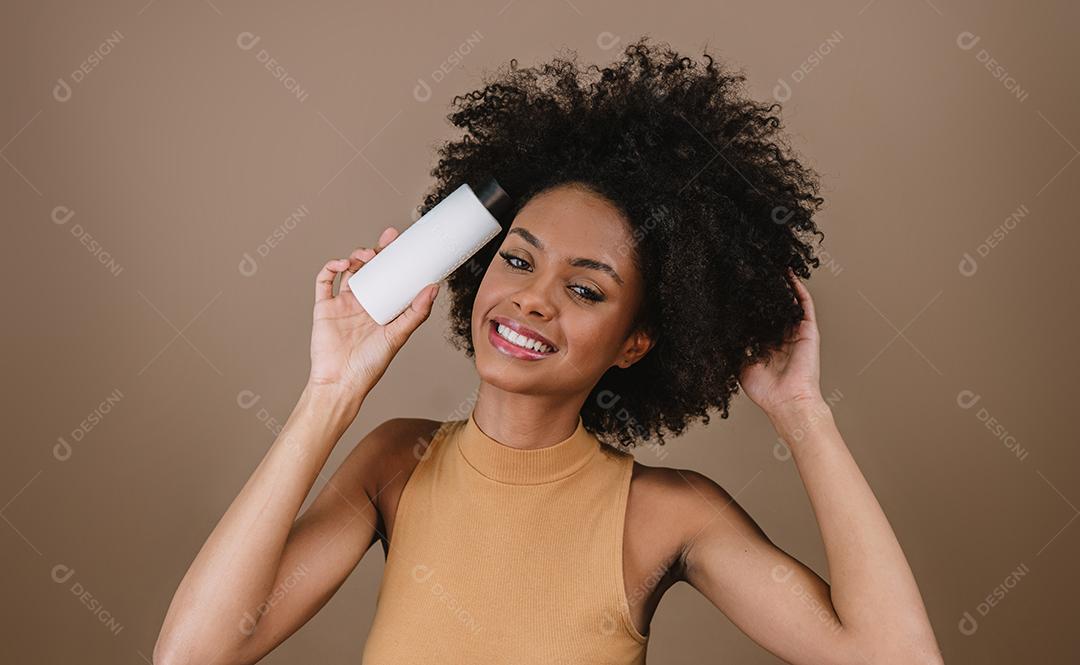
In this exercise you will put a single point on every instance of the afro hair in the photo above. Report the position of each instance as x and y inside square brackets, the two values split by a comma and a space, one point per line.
[717, 207]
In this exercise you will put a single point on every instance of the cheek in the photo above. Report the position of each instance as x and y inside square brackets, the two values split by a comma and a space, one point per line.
[590, 340]
[486, 297]
[495, 287]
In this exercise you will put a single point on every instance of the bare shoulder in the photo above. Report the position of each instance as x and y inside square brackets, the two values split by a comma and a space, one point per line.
[392, 450]
[675, 506]
[657, 527]
[383, 462]
[670, 489]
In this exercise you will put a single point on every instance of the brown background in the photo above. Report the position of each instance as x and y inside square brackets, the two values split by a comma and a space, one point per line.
[178, 154]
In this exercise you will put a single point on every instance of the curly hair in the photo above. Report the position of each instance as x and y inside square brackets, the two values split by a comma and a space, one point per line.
[717, 206]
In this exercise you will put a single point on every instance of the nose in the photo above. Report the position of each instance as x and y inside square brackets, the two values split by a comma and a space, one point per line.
[534, 299]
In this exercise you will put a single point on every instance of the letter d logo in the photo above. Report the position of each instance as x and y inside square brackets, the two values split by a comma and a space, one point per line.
[422, 573]
[61, 91]
[967, 40]
[62, 573]
[247, 41]
[968, 625]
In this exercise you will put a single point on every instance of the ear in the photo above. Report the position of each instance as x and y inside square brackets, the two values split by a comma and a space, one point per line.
[637, 345]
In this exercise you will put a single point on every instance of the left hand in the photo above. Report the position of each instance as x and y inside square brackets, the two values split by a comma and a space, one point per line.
[790, 377]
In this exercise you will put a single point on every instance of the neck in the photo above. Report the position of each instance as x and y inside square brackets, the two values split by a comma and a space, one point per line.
[524, 421]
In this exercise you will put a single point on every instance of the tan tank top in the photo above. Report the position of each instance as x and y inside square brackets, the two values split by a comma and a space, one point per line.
[508, 556]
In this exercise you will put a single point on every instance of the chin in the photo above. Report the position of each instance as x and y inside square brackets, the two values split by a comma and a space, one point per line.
[511, 375]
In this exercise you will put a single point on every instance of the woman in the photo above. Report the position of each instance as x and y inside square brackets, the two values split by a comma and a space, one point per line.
[650, 269]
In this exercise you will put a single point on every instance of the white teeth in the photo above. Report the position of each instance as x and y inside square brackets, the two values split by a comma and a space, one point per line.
[520, 340]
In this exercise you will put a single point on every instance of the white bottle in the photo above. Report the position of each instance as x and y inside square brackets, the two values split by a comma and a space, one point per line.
[429, 250]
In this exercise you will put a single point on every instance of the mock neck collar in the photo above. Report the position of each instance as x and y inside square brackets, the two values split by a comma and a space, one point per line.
[525, 467]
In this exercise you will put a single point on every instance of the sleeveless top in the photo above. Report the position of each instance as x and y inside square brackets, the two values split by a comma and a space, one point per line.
[508, 556]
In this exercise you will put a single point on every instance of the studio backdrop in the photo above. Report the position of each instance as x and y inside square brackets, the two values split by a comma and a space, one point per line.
[175, 174]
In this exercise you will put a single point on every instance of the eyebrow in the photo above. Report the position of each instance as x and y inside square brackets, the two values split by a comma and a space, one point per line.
[578, 262]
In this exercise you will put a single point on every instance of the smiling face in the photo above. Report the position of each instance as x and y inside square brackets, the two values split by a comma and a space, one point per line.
[563, 276]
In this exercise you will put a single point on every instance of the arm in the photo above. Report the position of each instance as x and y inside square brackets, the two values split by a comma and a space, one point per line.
[223, 609]
[262, 572]
[873, 613]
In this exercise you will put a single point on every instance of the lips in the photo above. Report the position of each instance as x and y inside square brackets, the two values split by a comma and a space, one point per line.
[525, 331]
[510, 349]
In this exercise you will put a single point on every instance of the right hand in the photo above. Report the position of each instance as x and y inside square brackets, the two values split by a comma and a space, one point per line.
[349, 349]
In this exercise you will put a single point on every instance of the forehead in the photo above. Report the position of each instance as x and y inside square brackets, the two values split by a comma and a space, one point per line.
[572, 221]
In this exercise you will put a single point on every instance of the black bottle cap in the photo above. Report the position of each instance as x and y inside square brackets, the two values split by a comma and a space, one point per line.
[494, 198]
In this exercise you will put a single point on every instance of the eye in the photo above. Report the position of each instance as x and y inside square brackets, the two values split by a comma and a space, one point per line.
[589, 294]
[586, 294]
[510, 258]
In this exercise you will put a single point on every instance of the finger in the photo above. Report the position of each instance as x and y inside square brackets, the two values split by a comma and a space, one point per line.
[362, 255]
[324, 281]
[399, 330]
[386, 237]
[358, 258]
[804, 297]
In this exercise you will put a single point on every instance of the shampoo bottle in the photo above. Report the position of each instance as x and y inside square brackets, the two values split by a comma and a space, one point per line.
[429, 250]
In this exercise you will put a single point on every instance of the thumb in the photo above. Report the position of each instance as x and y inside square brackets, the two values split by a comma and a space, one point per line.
[401, 328]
